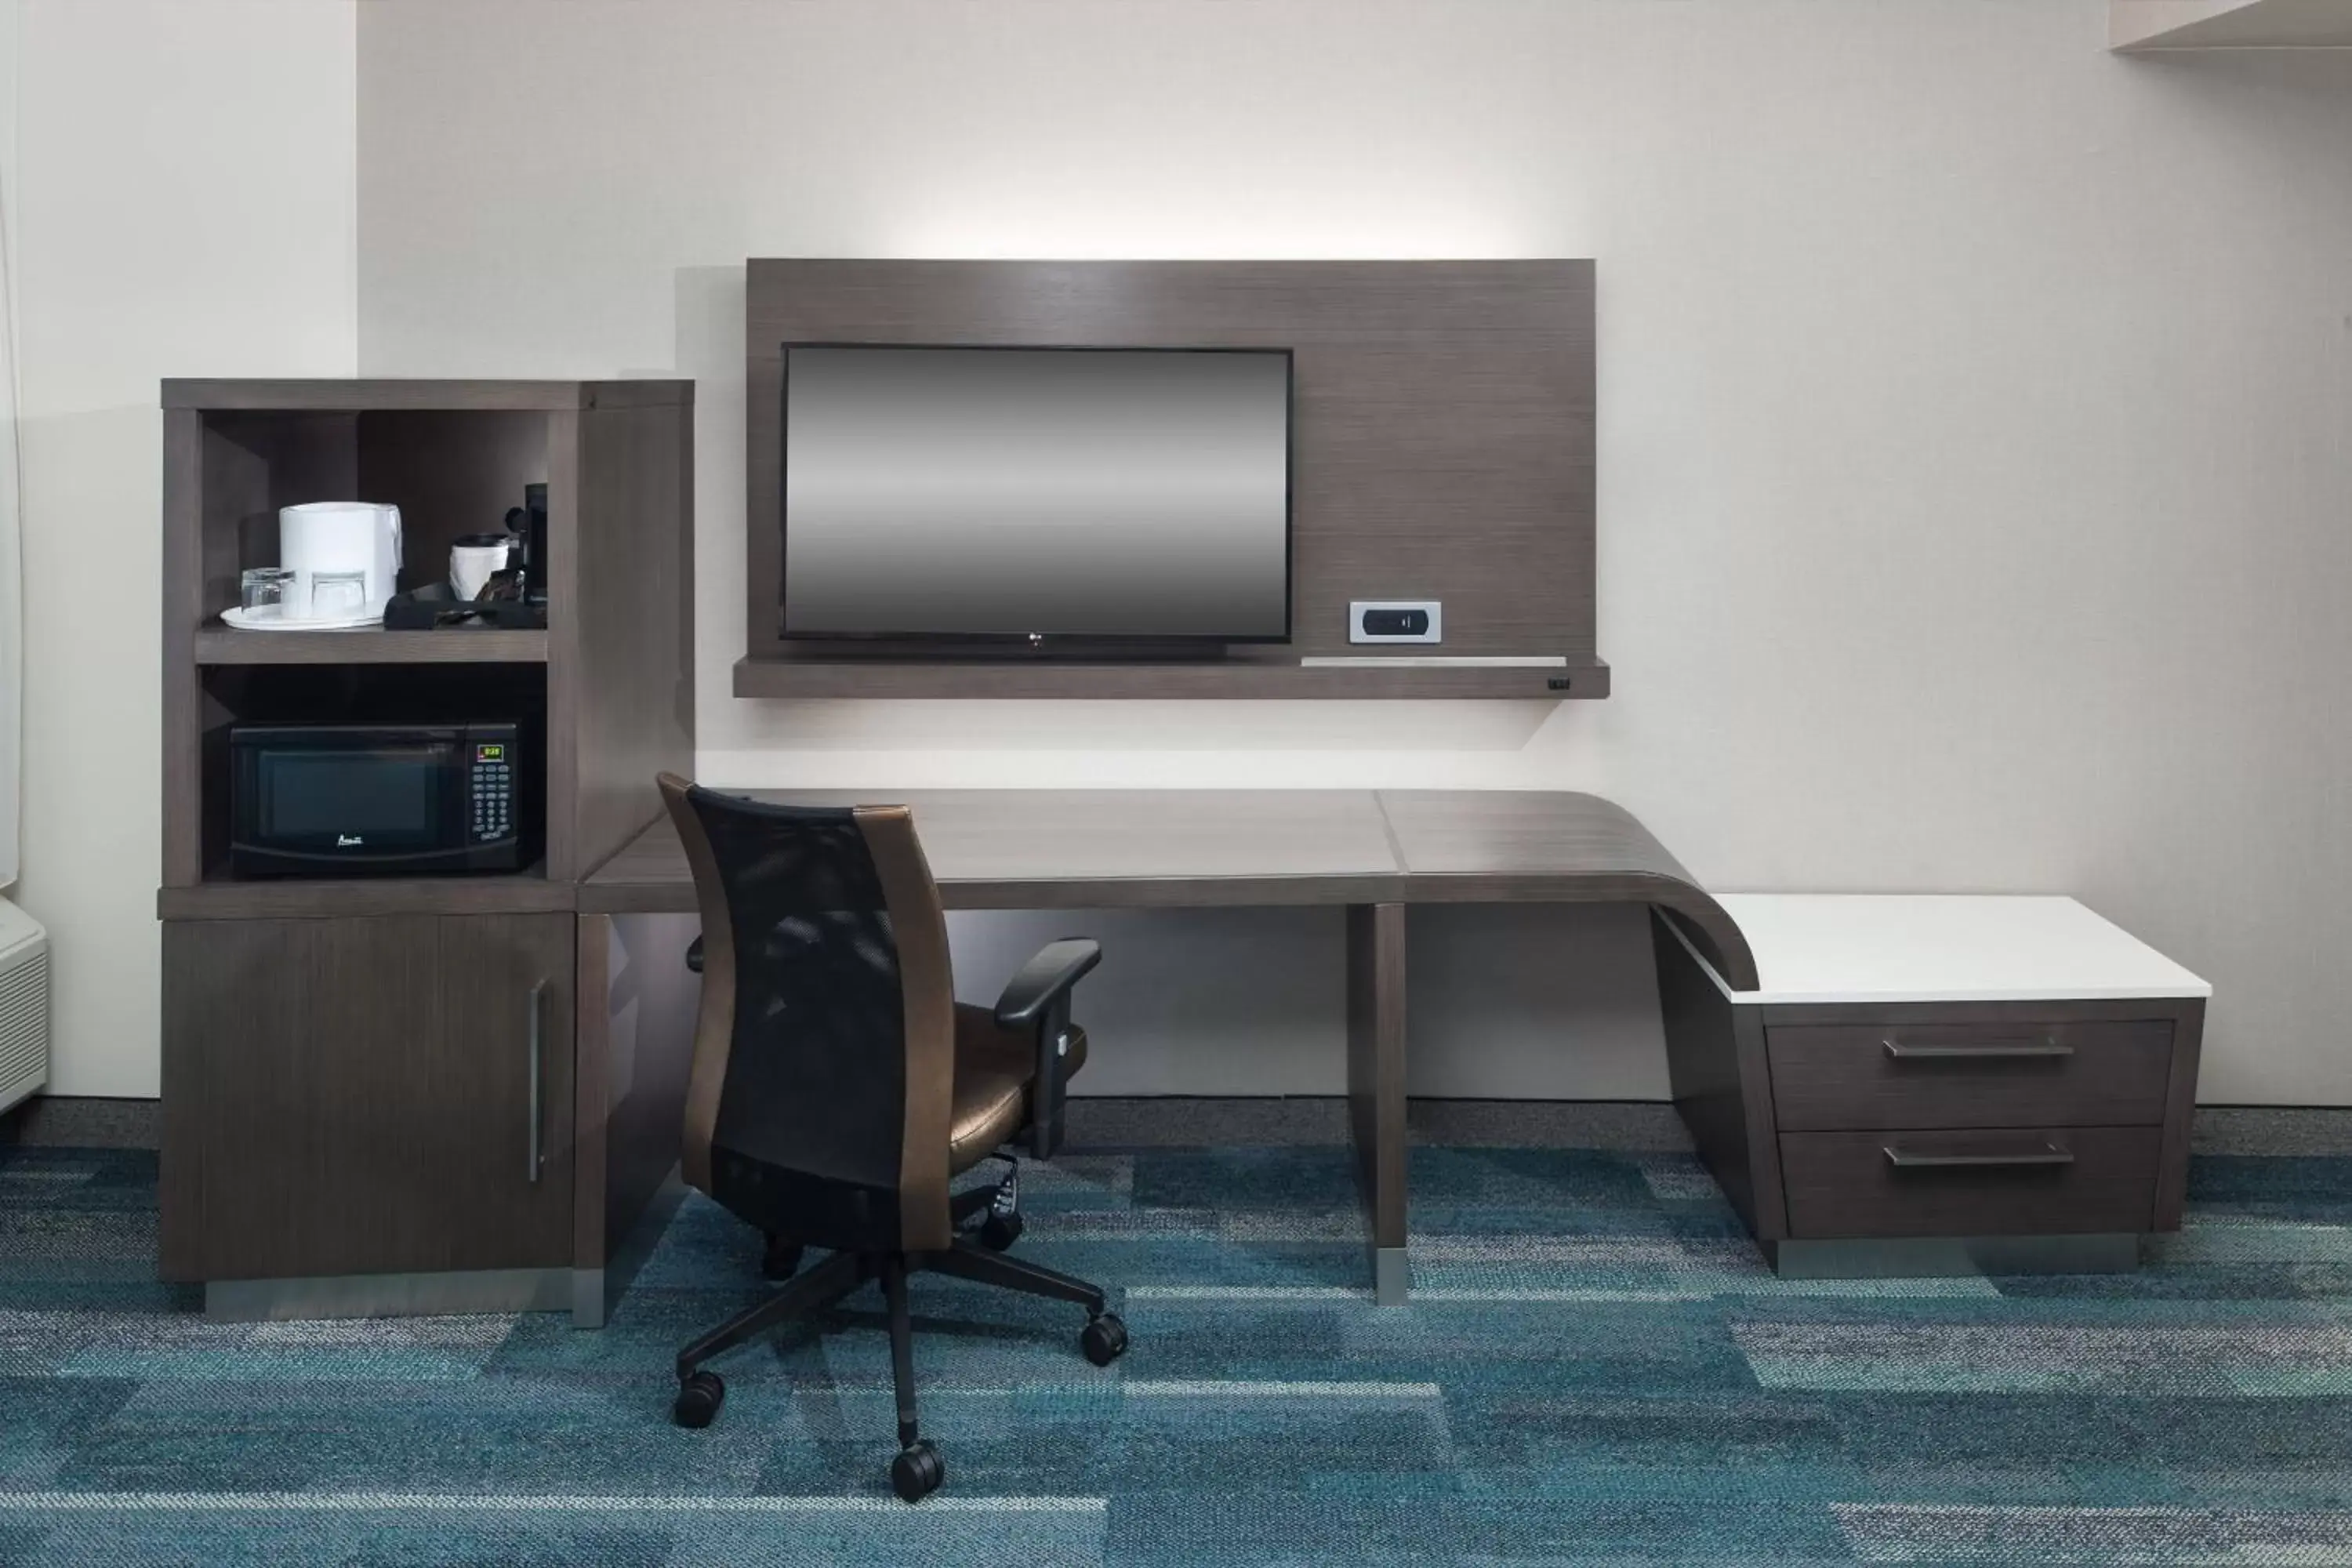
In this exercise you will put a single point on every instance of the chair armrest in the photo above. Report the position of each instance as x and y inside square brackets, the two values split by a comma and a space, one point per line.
[1039, 999]
[1045, 980]
[694, 956]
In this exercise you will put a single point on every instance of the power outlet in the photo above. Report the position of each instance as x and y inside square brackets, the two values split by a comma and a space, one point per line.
[1396, 620]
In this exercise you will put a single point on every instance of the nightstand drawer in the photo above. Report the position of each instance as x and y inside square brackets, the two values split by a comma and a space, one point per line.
[1970, 1181]
[1969, 1075]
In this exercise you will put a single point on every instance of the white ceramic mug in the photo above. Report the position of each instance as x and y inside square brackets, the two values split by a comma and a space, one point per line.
[472, 560]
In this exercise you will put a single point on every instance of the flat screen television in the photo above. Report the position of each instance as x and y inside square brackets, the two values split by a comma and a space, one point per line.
[1036, 494]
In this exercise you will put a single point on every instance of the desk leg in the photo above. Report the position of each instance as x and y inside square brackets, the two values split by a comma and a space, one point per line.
[636, 1021]
[1376, 1085]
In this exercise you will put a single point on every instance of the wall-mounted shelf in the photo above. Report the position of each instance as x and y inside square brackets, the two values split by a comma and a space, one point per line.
[2146, 27]
[370, 647]
[1017, 679]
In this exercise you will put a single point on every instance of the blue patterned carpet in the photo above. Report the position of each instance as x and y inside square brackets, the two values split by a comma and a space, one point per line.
[1597, 1369]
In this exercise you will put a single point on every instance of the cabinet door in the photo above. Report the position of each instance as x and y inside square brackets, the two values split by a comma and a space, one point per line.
[366, 1096]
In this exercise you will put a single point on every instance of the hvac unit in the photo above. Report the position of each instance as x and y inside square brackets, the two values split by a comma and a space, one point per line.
[24, 1004]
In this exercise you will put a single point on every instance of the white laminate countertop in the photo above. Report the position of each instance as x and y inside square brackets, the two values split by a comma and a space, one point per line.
[1942, 947]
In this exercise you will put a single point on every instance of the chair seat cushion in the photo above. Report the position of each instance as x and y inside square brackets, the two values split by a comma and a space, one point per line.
[994, 1067]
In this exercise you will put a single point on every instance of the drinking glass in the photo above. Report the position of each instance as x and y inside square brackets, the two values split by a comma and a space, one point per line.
[336, 595]
[265, 588]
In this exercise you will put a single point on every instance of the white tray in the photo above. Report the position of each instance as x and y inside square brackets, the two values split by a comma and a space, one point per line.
[269, 620]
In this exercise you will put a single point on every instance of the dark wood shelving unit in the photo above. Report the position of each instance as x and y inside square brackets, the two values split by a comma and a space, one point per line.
[355, 1070]
[1071, 679]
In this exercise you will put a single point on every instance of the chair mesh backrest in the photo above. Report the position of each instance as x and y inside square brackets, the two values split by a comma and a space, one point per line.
[817, 1072]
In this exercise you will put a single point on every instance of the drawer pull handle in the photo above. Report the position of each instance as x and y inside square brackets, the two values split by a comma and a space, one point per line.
[1985, 1051]
[1910, 1159]
[538, 1154]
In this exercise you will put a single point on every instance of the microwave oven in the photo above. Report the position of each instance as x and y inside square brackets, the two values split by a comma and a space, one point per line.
[395, 800]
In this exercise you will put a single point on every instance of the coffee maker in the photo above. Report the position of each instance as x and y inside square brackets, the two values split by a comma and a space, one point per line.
[331, 537]
[529, 521]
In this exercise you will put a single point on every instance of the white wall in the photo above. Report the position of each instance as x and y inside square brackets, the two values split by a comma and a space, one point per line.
[1975, 430]
[12, 584]
[188, 175]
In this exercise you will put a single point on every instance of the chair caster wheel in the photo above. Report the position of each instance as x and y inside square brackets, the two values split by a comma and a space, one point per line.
[1104, 1340]
[782, 1259]
[999, 1231]
[698, 1399]
[917, 1471]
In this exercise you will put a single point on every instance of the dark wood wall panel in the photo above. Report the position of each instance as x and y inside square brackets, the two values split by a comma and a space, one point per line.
[1444, 434]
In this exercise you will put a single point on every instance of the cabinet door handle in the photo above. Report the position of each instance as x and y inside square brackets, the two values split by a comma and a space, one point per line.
[538, 1155]
[1981, 1051]
[1912, 1159]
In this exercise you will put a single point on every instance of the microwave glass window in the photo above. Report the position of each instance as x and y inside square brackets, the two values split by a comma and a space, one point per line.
[387, 798]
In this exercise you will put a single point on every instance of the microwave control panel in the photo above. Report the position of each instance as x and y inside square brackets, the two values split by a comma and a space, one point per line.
[493, 792]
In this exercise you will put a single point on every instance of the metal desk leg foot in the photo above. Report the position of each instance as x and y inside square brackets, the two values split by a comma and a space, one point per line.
[1391, 1276]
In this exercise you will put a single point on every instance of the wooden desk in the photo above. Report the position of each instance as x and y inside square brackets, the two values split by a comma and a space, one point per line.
[1372, 852]
[1031, 850]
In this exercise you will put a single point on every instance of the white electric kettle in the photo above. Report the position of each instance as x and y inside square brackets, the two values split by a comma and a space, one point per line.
[339, 536]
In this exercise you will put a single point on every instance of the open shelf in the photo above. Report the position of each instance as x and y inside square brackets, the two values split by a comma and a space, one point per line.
[1022, 679]
[224, 646]
[451, 473]
[601, 708]
[401, 690]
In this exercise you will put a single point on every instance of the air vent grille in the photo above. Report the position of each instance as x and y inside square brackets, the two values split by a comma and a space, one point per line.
[24, 1027]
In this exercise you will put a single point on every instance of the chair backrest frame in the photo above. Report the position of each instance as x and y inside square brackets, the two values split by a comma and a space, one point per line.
[884, 864]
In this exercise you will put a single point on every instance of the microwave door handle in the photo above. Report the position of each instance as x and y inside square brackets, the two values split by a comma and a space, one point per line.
[538, 1154]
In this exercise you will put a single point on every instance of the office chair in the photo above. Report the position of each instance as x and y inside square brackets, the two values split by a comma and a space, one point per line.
[837, 1085]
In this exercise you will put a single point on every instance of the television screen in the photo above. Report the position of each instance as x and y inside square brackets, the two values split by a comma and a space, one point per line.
[1011, 492]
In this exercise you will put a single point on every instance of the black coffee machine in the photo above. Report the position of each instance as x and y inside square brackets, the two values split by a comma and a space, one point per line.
[529, 521]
